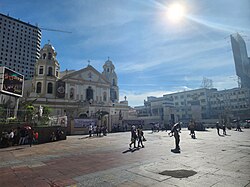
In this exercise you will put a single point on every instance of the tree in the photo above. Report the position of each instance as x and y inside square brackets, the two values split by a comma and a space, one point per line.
[30, 112]
[207, 83]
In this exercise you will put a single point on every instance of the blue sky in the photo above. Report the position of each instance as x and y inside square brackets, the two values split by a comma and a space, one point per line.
[152, 55]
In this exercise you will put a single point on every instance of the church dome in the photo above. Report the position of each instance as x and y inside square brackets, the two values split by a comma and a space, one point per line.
[48, 47]
[109, 63]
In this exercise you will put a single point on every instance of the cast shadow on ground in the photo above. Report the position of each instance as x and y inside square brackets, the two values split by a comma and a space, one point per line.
[91, 137]
[131, 150]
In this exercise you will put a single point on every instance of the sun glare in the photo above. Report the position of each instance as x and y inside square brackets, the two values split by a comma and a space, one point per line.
[175, 12]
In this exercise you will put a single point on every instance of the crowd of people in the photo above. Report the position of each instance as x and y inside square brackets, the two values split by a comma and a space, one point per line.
[98, 130]
[19, 136]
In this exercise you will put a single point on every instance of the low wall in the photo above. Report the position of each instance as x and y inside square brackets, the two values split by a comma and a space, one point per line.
[43, 131]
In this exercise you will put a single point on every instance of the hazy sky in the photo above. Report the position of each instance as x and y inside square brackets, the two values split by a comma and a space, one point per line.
[152, 55]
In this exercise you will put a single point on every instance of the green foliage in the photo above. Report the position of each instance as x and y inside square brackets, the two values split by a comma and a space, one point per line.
[44, 119]
[47, 111]
[30, 112]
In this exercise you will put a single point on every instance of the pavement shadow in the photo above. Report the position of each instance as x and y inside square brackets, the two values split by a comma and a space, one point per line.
[131, 150]
[90, 137]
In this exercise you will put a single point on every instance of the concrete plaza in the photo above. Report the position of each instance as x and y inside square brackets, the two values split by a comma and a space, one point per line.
[211, 160]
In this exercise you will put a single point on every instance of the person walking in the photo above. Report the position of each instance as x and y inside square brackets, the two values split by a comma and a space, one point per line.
[218, 128]
[140, 137]
[30, 136]
[224, 129]
[191, 127]
[238, 126]
[133, 137]
[90, 130]
[176, 129]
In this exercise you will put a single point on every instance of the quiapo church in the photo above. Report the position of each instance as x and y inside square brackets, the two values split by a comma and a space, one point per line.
[84, 96]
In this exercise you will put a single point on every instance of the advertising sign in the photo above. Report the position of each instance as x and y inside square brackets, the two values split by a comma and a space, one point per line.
[11, 82]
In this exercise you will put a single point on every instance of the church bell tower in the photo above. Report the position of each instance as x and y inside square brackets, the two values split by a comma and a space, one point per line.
[110, 75]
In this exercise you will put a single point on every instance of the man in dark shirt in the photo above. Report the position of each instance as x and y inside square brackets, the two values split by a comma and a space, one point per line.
[175, 131]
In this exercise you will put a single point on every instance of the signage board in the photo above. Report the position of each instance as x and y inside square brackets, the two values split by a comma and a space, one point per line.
[84, 123]
[11, 82]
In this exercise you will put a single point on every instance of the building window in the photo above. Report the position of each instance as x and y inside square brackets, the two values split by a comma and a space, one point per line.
[50, 88]
[89, 94]
[71, 95]
[49, 56]
[50, 71]
[38, 87]
[104, 96]
[44, 55]
[41, 70]
[114, 83]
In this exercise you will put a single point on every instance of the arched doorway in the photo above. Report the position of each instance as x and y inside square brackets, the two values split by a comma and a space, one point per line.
[83, 116]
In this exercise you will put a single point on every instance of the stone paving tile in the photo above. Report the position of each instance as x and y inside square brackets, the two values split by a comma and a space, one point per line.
[106, 161]
[36, 181]
[231, 182]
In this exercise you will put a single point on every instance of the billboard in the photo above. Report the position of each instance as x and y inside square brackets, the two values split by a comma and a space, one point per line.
[11, 82]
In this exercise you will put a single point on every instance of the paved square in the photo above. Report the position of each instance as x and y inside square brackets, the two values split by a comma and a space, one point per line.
[107, 161]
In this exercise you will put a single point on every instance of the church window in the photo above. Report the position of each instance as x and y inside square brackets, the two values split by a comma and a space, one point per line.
[57, 73]
[104, 96]
[38, 87]
[41, 70]
[50, 71]
[49, 56]
[108, 69]
[114, 83]
[72, 93]
[44, 55]
[50, 88]
[89, 94]
[113, 95]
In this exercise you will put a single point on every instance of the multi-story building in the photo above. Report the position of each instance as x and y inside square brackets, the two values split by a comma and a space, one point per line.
[230, 104]
[19, 45]
[241, 60]
[192, 104]
[156, 110]
[201, 105]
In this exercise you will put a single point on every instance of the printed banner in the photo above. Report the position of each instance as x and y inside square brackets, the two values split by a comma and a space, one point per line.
[84, 123]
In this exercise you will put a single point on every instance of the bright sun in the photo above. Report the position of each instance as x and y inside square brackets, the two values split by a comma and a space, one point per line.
[175, 12]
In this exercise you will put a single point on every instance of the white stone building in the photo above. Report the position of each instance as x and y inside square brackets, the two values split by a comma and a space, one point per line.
[202, 105]
[77, 94]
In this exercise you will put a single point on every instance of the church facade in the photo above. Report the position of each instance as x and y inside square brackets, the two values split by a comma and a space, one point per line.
[81, 94]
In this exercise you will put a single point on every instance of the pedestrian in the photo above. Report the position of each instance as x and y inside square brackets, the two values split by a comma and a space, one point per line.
[176, 129]
[36, 137]
[238, 126]
[218, 128]
[191, 127]
[90, 130]
[11, 137]
[30, 136]
[22, 136]
[224, 129]
[97, 130]
[140, 137]
[133, 137]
